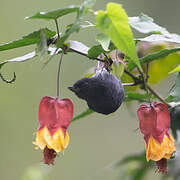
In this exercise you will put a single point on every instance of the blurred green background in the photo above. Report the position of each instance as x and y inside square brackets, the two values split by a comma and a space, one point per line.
[96, 141]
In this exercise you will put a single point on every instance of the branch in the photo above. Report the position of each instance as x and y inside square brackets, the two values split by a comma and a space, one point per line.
[158, 96]
[138, 81]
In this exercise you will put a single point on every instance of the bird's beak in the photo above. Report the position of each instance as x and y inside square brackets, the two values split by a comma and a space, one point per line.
[72, 89]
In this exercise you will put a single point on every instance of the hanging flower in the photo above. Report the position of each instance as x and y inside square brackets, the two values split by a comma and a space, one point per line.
[54, 117]
[155, 124]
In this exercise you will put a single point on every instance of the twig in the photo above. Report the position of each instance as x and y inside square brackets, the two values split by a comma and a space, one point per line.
[158, 96]
[84, 54]
[58, 73]
[137, 81]
[145, 84]
[57, 28]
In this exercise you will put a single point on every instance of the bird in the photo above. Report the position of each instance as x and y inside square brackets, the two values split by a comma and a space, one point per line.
[103, 92]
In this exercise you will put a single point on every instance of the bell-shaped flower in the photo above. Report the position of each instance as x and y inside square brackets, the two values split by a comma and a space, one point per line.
[154, 124]
[54, 117]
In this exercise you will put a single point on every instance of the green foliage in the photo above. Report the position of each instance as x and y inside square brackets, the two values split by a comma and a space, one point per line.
[104, 44]
[103, 40]
[177, 69]
[54, 14]
[175, 122]
[145, 24]
[42, 47]
[27, 40]
[136, 96]
[95, 51]
[117, 69]
[154, 56]
[172, 38]
[76, 46]
[83, 114]
[140, 157]
[114, 23]
[20, 59]
[36, 172]
[83, 10]
[136, 167]
[175, 91]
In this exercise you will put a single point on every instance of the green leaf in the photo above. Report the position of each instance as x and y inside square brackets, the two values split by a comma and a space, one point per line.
[175, 121]
[103, 40]
[145, 24]
[1, 65]
[114, 23]
[83, 114]
[87, 4]
[130, 96]
[151, 57]
[117, 69]
[175, 69]
[173, 38]
[74, 46]
[89, 24]
[175, 91]
[54, 14]
[27, 40]
[42, 47]
[36, 172]
[95, 51]
[77, 46]
[20, 59]
[83, 10]
[139, 157]
[139, 173]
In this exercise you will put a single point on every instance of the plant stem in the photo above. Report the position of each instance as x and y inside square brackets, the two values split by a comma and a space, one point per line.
[158, 96]
[58, 74]
[137, 81]
[84, 54]
[57, 28]
[145, 85]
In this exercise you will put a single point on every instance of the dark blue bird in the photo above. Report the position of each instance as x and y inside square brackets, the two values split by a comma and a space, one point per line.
[103, 92]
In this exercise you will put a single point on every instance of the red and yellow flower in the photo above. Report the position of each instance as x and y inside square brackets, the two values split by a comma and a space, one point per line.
[54, 117]
[154, 124]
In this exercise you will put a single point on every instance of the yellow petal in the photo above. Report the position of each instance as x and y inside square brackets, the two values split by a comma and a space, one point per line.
[156, 151]
[56, 142]
[40, 141]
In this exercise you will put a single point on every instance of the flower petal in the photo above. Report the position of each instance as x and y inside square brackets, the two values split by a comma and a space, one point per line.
[55, 114]
[163, 119]
[156, 151]
[40, 141]
[57, 141]
[147, 119]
